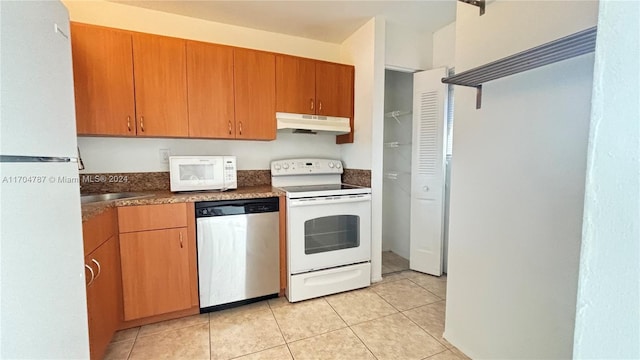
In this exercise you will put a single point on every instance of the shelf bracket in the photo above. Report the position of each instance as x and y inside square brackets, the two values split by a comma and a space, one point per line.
[478, 97]
[479, 3]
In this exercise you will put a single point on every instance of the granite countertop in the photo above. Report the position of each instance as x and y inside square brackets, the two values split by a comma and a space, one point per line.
[90, 210]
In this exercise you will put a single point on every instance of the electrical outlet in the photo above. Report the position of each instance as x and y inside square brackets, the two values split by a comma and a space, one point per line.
[164, 156]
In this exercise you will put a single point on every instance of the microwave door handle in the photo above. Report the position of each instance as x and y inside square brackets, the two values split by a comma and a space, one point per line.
[329, 200]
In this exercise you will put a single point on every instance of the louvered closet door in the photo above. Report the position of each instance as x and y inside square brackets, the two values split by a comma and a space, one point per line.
[428, 171]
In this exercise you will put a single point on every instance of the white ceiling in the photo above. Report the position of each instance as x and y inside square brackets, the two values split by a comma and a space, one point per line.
[331, 21]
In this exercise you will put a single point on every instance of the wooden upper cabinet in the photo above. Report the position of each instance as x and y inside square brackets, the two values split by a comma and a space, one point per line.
[255, 94]
[295, 85]
[210, 88]
[305, 86]
[334, 89]
[161, 85]
[103, 80]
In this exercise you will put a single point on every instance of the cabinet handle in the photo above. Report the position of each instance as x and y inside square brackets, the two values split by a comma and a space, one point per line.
[181, 245]
[229, 127]
[320, 107]
[240, 127]
[92, 274]
[312, 105]
[142, 123]
[99, 267]
[129, 123]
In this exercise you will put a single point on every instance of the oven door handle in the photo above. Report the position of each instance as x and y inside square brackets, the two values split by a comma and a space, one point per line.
[329, 200]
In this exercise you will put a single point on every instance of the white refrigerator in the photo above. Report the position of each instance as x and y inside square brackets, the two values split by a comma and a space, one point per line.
[42, 292]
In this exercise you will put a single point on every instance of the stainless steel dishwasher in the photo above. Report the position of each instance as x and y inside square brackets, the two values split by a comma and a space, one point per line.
[238, 252]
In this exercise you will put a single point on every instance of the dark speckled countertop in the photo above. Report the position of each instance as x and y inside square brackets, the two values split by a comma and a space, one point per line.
[166, 197]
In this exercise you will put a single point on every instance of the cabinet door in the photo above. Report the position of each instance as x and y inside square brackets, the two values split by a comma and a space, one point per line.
[210, 89]
[334, 89]
[295, 85]
[161, 85]
[155, 272]
[103, 81]
[103, 296]
[255, 94]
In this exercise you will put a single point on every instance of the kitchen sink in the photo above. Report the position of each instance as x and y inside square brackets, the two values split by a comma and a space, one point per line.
[85, 199]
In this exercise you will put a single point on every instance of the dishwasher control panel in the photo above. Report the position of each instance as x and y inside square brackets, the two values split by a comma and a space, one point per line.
[236, 207]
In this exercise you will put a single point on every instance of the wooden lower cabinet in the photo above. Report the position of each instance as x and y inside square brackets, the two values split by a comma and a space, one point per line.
[155, 272]
[103, 295]
[158, 259]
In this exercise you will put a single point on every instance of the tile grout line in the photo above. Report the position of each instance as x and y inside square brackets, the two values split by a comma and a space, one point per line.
[280, 329]
[363, 343]
[209, 339]
[431, 292]
[443, 351]
[134, 343]
[426, 332]
[171, 328]
[322, 333]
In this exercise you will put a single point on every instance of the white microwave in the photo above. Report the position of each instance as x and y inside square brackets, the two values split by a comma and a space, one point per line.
[199, 173]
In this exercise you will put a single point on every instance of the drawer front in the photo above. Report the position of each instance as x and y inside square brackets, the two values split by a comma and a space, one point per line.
[152, 217]
[99, 229]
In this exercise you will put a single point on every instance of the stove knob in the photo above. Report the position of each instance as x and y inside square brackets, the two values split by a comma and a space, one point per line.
[338, 165]
[285, 166]
[331, 164]
[277, 166]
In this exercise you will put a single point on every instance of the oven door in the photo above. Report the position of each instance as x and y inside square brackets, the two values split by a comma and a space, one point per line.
[330, 231]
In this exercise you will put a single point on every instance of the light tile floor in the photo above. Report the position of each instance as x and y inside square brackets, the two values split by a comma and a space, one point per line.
[392, 262]
[401, 317]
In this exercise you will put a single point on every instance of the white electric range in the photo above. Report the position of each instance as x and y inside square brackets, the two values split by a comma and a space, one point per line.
[328, 228]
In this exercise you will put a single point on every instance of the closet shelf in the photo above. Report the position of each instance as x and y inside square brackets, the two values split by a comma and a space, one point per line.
[570, 46]
[397, 113]
[395, 144]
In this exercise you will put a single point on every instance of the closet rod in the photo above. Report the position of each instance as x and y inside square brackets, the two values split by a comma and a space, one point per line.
[577, 44]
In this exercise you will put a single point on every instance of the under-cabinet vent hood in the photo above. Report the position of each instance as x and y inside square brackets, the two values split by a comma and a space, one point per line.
[309, 124]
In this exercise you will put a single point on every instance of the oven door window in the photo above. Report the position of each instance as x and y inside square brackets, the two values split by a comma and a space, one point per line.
[331, 233]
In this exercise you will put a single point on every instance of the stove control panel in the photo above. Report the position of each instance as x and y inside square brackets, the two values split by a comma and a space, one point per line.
[305, 167]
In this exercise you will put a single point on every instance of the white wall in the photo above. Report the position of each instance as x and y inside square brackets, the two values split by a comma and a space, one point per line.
[365, 49]
[608, 309]
[134, 18]
[518, 185]
[398, 96]
[407, 48]
[103, 154]
[134, 155]
[444, 46]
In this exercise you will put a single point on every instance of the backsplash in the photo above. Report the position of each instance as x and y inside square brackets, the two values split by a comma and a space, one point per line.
[159, 181]
[154, 181]
[357, 177]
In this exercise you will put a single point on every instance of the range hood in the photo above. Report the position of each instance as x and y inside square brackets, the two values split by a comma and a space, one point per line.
[311, 124]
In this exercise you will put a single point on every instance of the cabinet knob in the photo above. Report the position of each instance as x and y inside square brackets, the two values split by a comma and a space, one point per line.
[229, 127]
[312, 103]
[92, 274]
[129, 123]
[99, 267]
[320, 106]
[142, 123]
[181, 244]
[240, 127]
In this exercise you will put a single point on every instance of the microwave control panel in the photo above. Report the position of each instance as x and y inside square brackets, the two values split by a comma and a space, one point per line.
[230, 171]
